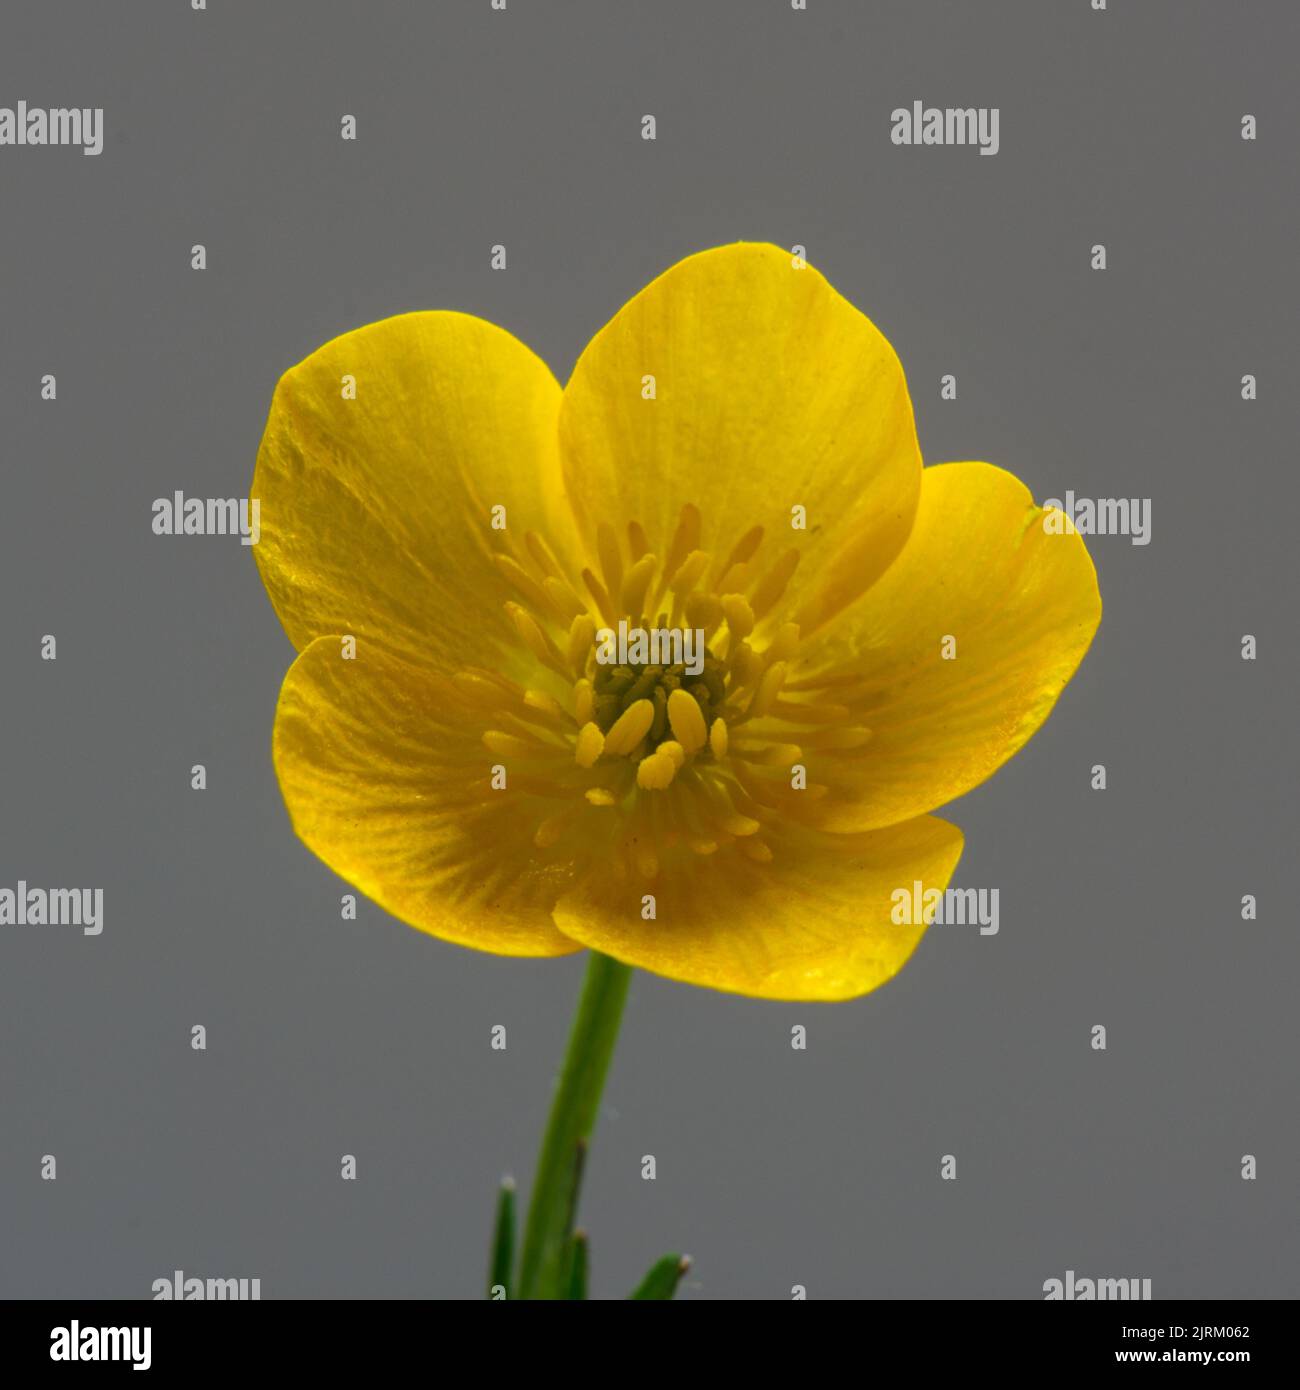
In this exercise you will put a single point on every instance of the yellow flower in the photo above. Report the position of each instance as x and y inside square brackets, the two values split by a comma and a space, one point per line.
[429, 490]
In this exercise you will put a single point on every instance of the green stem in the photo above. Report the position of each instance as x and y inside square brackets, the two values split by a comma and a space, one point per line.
[573, 1117]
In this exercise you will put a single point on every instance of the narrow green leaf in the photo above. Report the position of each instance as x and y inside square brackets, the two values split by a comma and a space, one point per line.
[664, 1277]
[575, 1186]
[577, 1275]
[503, 1242]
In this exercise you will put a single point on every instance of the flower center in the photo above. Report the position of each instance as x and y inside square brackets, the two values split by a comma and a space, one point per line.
[615, 689]
[689, 756]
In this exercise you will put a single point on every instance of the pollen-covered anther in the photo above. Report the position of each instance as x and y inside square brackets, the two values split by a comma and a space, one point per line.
[630, 728]
[718, 738]
[591, 743]
[739, 615]
[582, 633]
[687, 721]
[674, 750]
[656, 771]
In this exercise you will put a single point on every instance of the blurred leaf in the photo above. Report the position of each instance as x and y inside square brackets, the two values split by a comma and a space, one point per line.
[576, 1280]
[503, 1242]
[664, 1277]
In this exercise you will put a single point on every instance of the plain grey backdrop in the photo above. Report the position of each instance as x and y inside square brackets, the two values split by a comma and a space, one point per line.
[326, 1037]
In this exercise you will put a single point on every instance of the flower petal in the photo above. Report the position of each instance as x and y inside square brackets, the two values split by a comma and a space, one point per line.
[771, 391]
[814, 923]
[385, 779]
[1019, 599]
[376, 512]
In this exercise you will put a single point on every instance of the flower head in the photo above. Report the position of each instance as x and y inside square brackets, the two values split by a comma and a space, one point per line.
[827, 641]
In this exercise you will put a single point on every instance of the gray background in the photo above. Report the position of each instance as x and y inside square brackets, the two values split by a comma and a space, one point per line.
[775, 1167]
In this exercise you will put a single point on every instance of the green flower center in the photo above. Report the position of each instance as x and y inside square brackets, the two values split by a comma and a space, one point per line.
[617, 688]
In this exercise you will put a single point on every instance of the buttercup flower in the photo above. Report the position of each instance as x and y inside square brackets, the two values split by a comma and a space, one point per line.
[734, 456]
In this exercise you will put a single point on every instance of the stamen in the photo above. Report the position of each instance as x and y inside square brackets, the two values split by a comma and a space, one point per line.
[703, 611]
[548, 705]
[718, 739]
[482, 690]
[736, 579]
[590, 745]
[703, 736]
[534, 638]
[601, 595]
[581, 635]
[745, 665]
[738, 613]
[687, 721]
[583, 702]
[685, 539]
[630, 728]
[541, 553]
[671, 748]
[565, 602]
[632, 595]
[508, 745]
[689, 572]
[538, 598]
[744, 549]
[768, 689]
[772, 754]
[773, 583]
[794, 713]
[656, 772]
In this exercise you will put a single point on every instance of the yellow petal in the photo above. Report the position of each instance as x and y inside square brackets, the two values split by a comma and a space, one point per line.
[1020, 604]
[385, 779]
[377, 512]
[771, 391]
[816, 922]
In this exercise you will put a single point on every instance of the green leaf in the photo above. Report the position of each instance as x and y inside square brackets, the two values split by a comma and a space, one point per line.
[576, 1280]
[503, 1242]
[575, 1186]
[664, 1277]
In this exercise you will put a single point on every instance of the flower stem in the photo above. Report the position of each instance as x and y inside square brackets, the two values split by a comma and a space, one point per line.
[572, 1119]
